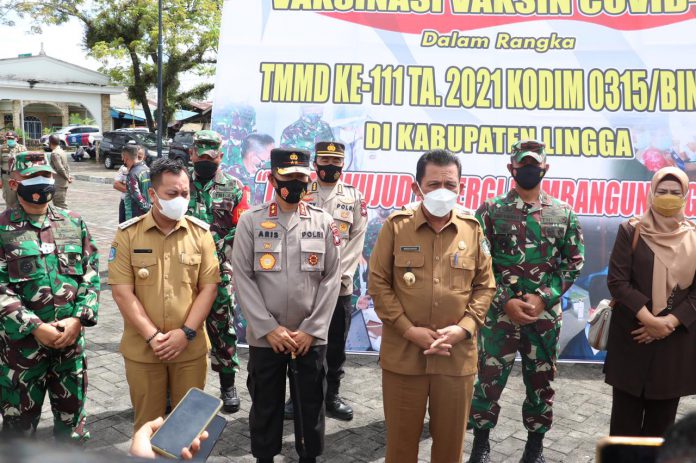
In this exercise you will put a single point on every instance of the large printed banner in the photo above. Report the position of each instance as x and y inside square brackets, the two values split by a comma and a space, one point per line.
[608, 85]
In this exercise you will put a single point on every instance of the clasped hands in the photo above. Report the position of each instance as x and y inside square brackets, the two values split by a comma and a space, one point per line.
[58, 334]
[436, 342]
[169, 345]
[282, 340]
[525, 310]
[655, 328]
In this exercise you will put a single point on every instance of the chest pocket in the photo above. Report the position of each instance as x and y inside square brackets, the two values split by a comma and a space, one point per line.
[70, 259]
[222, 214]
[144, 268]
[267, 254]
[344, 220]
[506, 236]
[190, 264]
[312, 255]
[405, 262]
[553, 223]
[461, 271]
[26, 265]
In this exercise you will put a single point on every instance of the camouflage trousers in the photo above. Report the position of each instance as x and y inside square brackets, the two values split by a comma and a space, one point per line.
[220, 328]
[499, 341]
[29, 370]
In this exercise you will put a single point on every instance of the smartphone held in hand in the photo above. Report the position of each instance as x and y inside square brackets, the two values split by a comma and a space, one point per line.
[187, 421]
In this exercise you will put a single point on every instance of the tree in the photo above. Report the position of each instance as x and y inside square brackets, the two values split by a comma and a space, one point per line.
[122, 35]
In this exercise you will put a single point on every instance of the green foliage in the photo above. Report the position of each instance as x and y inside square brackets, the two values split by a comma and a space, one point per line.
[122, 35]
[79, 120]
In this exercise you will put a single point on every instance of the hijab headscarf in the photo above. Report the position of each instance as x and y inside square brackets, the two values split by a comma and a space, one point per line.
[671, 239]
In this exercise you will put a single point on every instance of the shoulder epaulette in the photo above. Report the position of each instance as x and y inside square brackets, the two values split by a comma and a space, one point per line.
[464, 213]
[130, 222]
[258, 207]
[467, 216]
[410, 206]
[198, 222]
[313, 207]
[401, 213]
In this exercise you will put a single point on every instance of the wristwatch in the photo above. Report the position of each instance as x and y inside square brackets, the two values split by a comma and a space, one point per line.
[190, 334]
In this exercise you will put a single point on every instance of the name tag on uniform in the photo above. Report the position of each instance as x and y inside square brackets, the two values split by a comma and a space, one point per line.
[142, 251]
[48, 248]
[410, 248]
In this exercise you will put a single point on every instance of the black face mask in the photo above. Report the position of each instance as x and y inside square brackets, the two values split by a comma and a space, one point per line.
[329, 173]
[528, 176]
[205, 170]
[291, 191]
[36, 194]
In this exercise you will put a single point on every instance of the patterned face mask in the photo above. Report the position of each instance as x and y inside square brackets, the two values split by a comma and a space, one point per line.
[292, 191]
[37, 190]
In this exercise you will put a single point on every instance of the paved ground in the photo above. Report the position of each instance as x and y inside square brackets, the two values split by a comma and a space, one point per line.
[582, 406]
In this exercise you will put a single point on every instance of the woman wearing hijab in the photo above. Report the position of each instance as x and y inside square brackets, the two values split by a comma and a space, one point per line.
[651, 351]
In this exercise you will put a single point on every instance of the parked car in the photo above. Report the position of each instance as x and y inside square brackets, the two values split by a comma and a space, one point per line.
[133, 129]
[64, 132]
[179, 147]
[112, 145]
[83, 139]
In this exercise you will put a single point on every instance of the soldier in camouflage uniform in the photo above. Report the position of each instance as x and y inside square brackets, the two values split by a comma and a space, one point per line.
[214, 198]
[7, 151]
[49, 291]
[537, 248]
[256, 154]
[241, 123]
[136, 202]
[307, 130]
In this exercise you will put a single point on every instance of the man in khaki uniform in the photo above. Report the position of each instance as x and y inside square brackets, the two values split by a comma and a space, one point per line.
[347, 207]
[432, 282]
[59, 162]
[7, 151]
[164, 272]
[287, 275]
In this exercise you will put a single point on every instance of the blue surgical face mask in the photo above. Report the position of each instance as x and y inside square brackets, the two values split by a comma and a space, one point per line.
[11, 143]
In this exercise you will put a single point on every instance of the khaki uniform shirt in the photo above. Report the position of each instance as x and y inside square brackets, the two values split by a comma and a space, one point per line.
[286, 271]
[454, 284]
[59, 162]
[166, 272]
[347, 207]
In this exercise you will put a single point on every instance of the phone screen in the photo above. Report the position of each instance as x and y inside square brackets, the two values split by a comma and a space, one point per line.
[215, 428]
[186, 422]
[628, 450]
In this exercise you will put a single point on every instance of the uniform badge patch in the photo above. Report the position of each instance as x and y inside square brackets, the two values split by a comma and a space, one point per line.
[267, 245]
[363, 208]
[343, 227]
[345, 214]
[267, 261]
[485, 247]
[336, 235]
[268, 225]
[112, 253]
[313, 260]
[26, 267]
